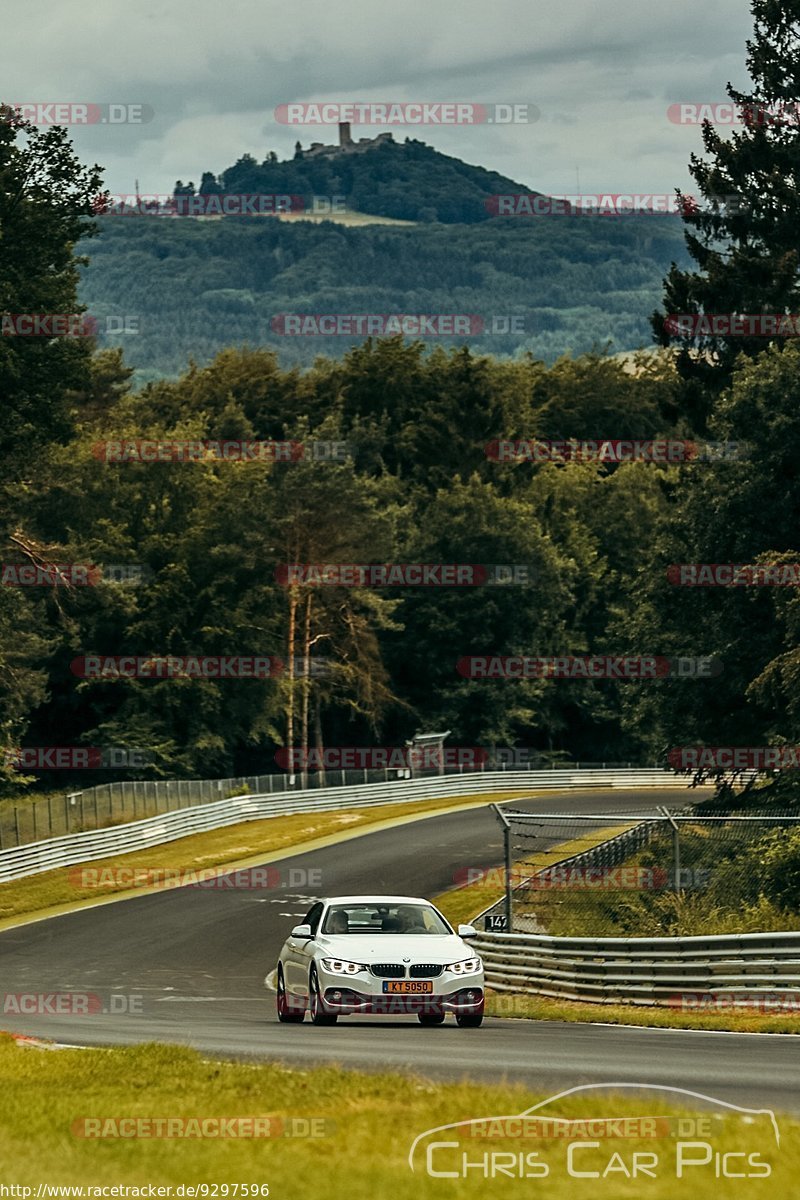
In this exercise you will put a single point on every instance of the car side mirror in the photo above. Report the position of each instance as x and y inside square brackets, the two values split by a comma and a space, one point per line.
[467, 931]
[303, 932]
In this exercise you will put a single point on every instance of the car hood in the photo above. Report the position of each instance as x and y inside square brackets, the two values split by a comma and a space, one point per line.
[394, 947]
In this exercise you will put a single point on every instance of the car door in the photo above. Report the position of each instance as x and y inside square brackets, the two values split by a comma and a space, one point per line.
[299, 953]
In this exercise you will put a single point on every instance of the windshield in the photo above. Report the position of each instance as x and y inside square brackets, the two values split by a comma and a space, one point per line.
[384, 918]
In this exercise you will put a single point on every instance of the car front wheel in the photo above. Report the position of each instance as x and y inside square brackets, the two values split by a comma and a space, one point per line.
[430, 1018]
[287, 1013]
[469, 1020]
[319, 1013]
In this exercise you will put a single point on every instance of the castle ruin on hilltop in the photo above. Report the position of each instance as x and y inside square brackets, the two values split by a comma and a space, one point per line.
[346, 144]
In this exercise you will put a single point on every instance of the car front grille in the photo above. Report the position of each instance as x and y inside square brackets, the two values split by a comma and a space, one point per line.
[388, 970]
[425, 970]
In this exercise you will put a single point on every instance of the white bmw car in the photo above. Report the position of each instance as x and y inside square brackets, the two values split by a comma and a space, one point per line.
[379, 954]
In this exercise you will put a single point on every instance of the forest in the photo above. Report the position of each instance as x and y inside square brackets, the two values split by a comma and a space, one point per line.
[188, 287]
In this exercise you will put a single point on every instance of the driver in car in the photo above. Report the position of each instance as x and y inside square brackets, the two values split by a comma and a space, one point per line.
[410, 919]
[338, 922]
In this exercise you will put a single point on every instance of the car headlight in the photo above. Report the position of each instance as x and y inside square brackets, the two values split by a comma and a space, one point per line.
[340, 966]
[467, 966]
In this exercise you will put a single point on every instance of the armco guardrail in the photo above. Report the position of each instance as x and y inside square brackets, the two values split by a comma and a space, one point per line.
[35, 857]
[57, 815]
[679, 972]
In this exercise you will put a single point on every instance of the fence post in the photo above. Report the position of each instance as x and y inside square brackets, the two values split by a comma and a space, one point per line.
[507, 857]
[507, 854]
[676, 848]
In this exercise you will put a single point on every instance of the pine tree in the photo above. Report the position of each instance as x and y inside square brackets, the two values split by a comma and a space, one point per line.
[744, 232]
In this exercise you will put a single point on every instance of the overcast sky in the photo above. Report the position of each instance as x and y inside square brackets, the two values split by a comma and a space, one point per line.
[602, 76]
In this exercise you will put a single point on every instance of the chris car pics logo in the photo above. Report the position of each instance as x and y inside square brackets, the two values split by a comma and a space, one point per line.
[650, 1133]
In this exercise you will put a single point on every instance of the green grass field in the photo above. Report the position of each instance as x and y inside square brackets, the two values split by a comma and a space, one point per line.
[365, 1127]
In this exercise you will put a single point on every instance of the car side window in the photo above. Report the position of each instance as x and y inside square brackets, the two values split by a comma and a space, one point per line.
[312, 917]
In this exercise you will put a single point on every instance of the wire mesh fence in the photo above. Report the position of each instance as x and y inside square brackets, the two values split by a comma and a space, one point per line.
[114, 803]
[30, 820]
[645, 876]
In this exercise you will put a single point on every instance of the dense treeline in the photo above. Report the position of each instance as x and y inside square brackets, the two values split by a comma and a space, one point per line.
[197, 285]
[418, 487]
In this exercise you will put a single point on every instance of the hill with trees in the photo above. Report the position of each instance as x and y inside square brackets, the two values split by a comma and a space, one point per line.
[410, 181]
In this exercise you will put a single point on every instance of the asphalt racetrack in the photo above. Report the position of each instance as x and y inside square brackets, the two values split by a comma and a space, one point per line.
[188, 966]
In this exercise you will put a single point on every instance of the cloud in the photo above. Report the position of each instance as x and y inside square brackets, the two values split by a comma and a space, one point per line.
[602, 76]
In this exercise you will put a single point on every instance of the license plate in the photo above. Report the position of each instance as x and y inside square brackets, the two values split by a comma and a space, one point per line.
[408, 987]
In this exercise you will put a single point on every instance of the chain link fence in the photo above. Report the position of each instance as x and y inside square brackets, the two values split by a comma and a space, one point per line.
[670, 875]
[24, 821]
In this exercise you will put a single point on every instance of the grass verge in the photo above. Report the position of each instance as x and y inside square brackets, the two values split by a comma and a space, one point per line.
[235, 844]
[370, 1123]
[546, 1008]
